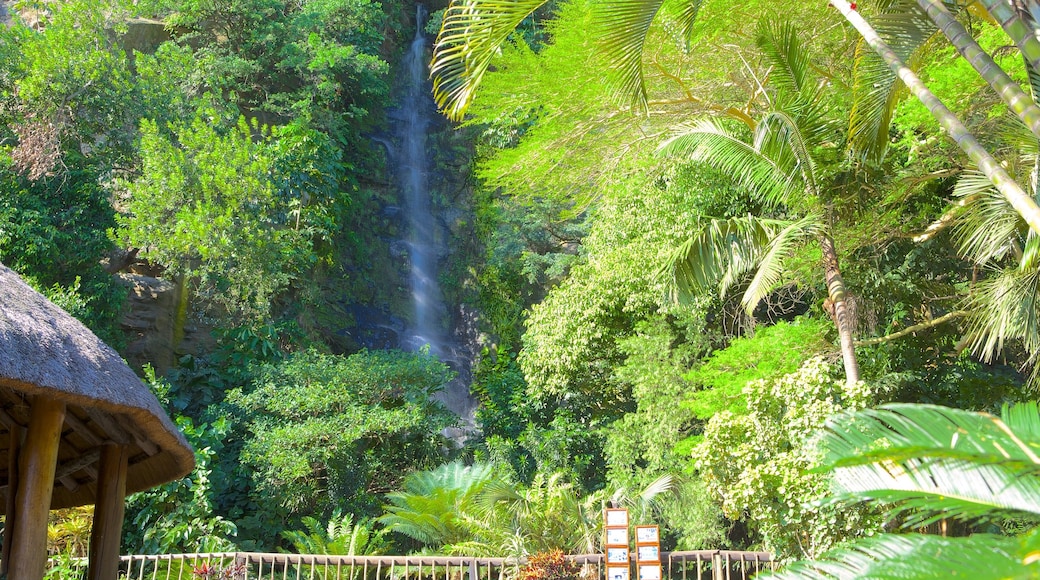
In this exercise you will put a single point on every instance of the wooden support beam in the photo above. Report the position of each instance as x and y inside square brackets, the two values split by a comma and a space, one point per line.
[64, 472]
[142, 440]
[8, 420]
[122, 435]
[37, 462]
[103, 563]
[104, 420]
[14, 446]
[82, 429]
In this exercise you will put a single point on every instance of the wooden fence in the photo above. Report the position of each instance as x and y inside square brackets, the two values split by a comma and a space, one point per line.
[694, 565]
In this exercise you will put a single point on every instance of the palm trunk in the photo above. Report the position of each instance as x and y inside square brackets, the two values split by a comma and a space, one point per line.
[1012, 94]
[842, 318]
[1020, 32]
[1011, 190]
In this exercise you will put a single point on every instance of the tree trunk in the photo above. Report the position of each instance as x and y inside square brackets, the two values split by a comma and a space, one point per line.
[1023, 203]
[1012, 94]
[1020, 31]
[842, 319]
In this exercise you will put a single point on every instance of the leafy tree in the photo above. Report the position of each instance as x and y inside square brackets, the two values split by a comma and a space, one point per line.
[226, 211]
[74, 93]
[929, 463]
[326, 431]
[52, 231]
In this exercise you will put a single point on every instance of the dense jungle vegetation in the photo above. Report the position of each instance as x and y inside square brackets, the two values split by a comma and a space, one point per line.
[655, 277]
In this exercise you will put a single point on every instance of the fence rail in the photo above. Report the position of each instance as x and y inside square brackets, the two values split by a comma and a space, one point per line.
[692, 565]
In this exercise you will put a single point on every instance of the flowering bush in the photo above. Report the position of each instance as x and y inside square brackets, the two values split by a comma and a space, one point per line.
[551, 565]
[760, 468]
[211, 572]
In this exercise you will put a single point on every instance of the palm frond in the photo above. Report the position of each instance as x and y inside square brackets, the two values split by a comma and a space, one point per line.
[771, 266]
[934, 462]
[683, 13]
[1005, 307]
[781, 45]
[719, 253]
[901, 431]
[709, 141]
[779, 137]
[472, 33]
[891, 556]
[906, 28]
[622, 27]
[988, 227]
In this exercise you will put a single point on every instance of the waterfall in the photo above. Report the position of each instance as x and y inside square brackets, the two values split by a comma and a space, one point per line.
[430, 321]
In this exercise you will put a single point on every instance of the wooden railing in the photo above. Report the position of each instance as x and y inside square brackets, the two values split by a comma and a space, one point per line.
[693, 565]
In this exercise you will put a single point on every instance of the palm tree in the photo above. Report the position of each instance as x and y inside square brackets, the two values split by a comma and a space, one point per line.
[781, 164]
[473, 31]
[1023, 203]
[928, 464]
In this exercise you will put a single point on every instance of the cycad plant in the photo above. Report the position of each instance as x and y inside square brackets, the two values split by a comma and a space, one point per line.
[789, 167]
[339, 536]
[930, 463]
[431, 506]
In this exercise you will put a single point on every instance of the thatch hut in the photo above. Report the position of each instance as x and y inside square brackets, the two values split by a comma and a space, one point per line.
[77, 427]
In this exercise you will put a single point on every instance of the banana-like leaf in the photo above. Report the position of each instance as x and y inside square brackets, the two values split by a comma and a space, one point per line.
[899, 557]
[472, 33]
[772, 265]
[708, 141]
[719, 254]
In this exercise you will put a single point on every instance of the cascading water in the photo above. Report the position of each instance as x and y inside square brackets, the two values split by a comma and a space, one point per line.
[413, 120]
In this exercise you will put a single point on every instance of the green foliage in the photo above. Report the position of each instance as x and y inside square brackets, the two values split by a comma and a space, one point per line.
[773, 351]
[53, 233]
[178, 517]
[326, 431]
[757, 466]
[221, 209]
[74, 93]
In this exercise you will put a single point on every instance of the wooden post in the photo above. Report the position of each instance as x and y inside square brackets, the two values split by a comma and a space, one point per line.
[103, 562]
[39, 457]
[14, 447]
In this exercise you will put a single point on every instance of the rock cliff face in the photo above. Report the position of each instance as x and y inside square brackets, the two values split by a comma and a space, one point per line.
[158, 324]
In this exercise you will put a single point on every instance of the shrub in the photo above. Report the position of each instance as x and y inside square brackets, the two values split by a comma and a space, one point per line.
[551, 565]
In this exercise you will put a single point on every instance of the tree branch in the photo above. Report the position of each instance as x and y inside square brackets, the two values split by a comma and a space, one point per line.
[912, 329]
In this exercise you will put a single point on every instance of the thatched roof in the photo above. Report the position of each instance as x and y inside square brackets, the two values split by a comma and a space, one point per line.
[45, 351]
